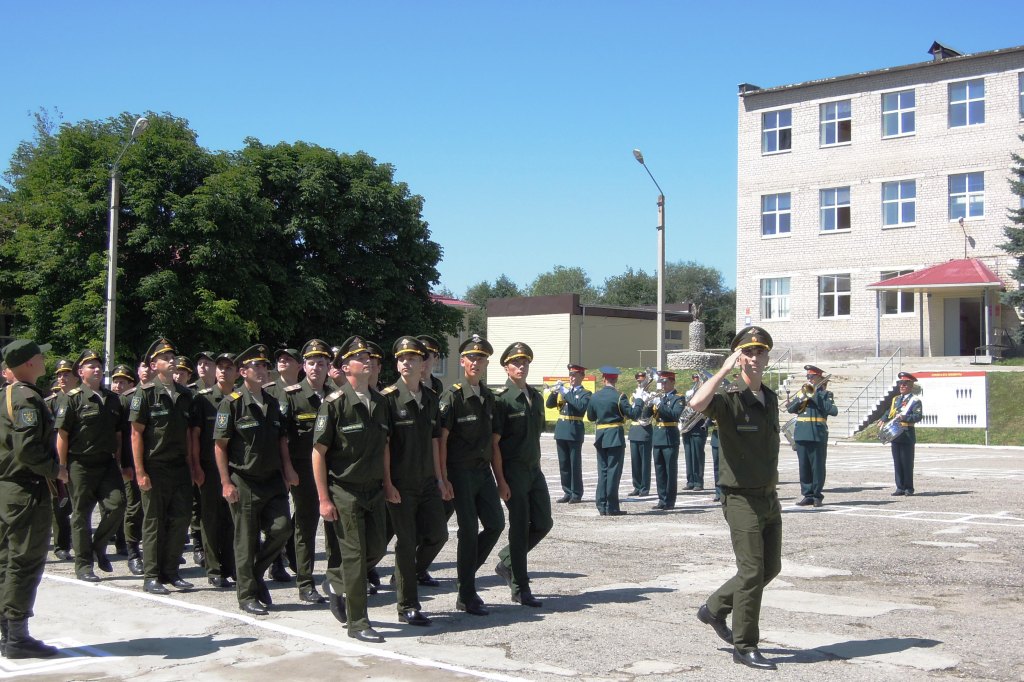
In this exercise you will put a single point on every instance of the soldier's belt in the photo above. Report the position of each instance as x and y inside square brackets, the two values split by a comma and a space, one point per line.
[666, 425]
[810, 419]
[642, 422]
[608, 426]
[563, 417]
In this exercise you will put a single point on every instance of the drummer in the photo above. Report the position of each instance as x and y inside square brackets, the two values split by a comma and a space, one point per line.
[906, 407]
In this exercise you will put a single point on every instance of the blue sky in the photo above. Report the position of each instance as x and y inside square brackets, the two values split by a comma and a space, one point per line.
[515, 121]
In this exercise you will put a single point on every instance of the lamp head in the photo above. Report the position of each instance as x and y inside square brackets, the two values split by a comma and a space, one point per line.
[638, 156]
[140, 126]
[961, 221]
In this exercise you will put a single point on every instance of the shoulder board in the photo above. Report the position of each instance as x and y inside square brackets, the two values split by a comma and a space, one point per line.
[235, 395]
[146, 385]
[192, 385]
[389, 390]
[457, 387]
[204, 391]
[500, 391]
[75, 391]
[734, 388]
[293, 388]
[270, 384]
[130, 390]
[334, 396]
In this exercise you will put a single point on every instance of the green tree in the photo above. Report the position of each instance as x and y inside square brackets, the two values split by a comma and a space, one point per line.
[1015, 239]
[631, 288]
[479, 293]
[563, 280]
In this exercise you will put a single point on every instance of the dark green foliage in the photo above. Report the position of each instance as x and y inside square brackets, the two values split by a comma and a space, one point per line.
[1015, 240]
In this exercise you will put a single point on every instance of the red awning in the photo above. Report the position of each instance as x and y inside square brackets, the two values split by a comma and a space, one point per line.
[964, 272]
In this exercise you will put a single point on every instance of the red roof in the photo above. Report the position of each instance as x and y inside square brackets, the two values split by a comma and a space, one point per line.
[454, 302]
[963, 272]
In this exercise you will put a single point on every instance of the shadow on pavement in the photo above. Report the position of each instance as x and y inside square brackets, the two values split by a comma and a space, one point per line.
[942, 493]
[854, 489]
[171, 648]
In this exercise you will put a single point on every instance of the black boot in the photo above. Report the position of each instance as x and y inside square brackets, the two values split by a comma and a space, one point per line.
[21, 645]
[277, 571]
[134, 559]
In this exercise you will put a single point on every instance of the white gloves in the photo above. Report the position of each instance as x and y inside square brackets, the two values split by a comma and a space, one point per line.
[656, 402]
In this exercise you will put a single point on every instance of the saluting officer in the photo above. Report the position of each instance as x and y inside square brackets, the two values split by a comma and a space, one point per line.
[518, 423]
[572, 402]
[413, 484]
[665, 439]
[466, 454]
[160, 412]
[251, 447]
[609, 409]
[811, 436]
[350, 439]
[26, 464]
[747, 414]
[640, 430]
[88, 423]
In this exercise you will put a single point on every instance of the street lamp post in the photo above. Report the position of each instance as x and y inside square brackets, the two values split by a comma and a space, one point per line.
[661, 261]
[115, 209]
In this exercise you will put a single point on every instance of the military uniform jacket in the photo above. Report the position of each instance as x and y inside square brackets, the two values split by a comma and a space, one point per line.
[519, 423]
[204, 417]
[413, 430]
[166, 436]
[666, 420]
[253, 433]
[26, 429]
[812, 415]
[127, 459]
[92, 420]
[571, 409]
[609, 409]
[748, 434]
[303, 405]
[354, 436]
[911, 411]
[468, 420]
[640, 429]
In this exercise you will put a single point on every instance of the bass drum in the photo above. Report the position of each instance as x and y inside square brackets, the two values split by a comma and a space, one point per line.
[789, 430]
[891, 431]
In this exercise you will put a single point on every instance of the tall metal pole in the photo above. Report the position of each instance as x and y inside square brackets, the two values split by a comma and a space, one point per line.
[661, 261]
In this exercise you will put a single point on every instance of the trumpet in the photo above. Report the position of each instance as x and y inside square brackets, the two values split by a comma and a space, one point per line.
[811, 386]
[691, 417]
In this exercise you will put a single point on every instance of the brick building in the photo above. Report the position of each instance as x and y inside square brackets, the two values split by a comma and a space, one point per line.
[848, 181]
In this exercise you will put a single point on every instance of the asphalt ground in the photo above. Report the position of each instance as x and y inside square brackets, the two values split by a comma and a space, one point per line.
[872, 587]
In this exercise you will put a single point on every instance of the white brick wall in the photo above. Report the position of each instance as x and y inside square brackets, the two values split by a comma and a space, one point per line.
[928, 156]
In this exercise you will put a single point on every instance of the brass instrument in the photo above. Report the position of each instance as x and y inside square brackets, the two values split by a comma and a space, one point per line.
[810, 387]
[691, 417]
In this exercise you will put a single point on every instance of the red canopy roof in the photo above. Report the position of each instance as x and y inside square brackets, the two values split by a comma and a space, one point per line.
[964, 272]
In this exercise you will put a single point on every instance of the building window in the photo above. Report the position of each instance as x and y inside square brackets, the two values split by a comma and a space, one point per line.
[1020, 87]
[898, 113]
[899, 202]
[775, 298]
[835, 209]
[834, 296]
[967, 103]
[673, 334]
[776, 131]
[440, 367]
[966, 195]
[897, 302]
[836, 124]
[775, 214]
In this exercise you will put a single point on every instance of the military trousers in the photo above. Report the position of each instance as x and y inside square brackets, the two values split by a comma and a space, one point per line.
[570, 466]
[903, 464]
[262, 506]
[480, 519]
[166, 511]
[755, 526]
[61, 522]
[132, 512]
[195, 525]
[693, 449]
[609, 473]
[666, 473]
[422, 530]
[714, 460]
[305, 520]
[94, 481]
[810, 455]
[529, 519]
[640, 459]
[25, 517]
[359, 532]
[216, 523]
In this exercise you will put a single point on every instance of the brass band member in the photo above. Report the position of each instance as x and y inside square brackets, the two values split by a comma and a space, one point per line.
[813, 406]
[907, 408]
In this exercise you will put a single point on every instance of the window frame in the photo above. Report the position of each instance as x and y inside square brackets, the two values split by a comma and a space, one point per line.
[900, 295]
[836, 295]
[777, 214]
[781, 300]
[777, 132]
[965, 103]
[1020, 89]
[900, 201]
[825, 121]
[836, 208]
[900, 113]
[968, 195]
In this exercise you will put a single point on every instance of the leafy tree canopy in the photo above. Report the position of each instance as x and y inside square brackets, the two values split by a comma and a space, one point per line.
[1015, 238]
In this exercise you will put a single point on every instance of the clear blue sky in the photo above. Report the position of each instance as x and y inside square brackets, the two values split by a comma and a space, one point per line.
[515, 121]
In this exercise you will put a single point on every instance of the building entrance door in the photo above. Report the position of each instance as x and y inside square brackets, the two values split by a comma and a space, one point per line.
[962, 326]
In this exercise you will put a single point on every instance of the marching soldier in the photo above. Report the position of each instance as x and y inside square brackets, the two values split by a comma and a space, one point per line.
[640, 441]
[572, 402]
[288, 364]
[609, 410]
[518, 423]
[26, 466]
[466, 454]
[811, 436]
[122, 382]
[255, 471]
[88, 423]
[64, 380]
[693, 444]
[413, 484]
[206, 370]
[908, 409]
[430, 381]
[183, 371]
[160, 411]
[665, 439]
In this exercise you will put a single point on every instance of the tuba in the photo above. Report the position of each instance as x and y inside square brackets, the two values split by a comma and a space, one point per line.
[691, 417]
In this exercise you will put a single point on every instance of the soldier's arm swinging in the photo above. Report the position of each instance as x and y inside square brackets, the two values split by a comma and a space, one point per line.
[327, 509]
[228, 489]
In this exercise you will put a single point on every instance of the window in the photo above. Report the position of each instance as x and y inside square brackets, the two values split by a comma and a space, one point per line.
[898, 113]
[834, 296]
[776, 131]
[673, 334]
[774, 214]
[899, 202]
[835, 209]
[1020, 87]
[775, 298]
[967, 103]
[835, 123]
[897, 302]
[966, 195]
[440, 367]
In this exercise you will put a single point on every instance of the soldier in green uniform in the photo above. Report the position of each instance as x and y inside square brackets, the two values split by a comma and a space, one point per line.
[303, 400]
[413, 484]
[517, 425]
[429, 380]
[88, 423]
[747, 414]
[203, 370]
[26, 465]
[251, 447]
[215, 523]
[572, 402]
[160, 411]
[665, 439]
[609, 409]
[206, 370]
[122, 382]
[65, 380]
[183, 372]
[813, 408]
[288, 363]
[907, 408]
[640, 431]
[466, 453]
[350, 439]
[694, 441]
